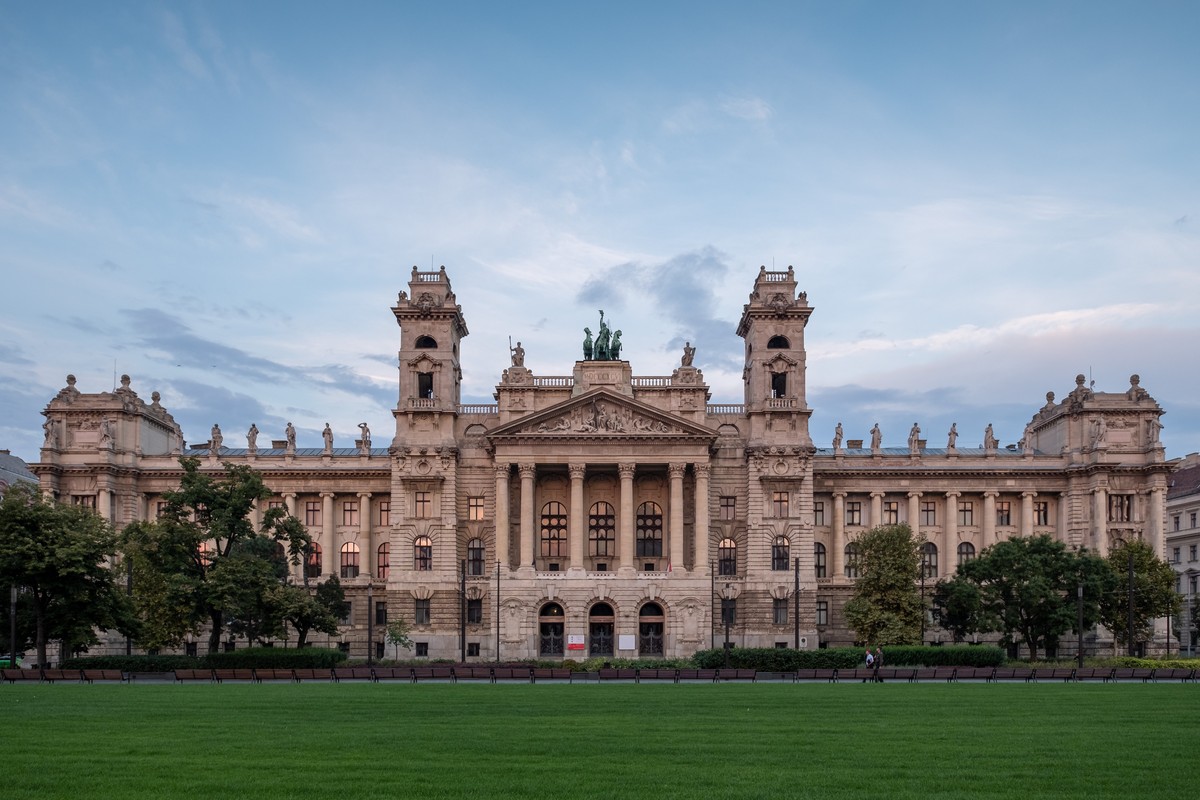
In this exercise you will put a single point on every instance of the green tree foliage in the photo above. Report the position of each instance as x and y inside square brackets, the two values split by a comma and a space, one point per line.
[1153, 595]
[202, 560]
[398, 634]
[318, 611]
[886, 606]
[1025, 588]
[59, 557]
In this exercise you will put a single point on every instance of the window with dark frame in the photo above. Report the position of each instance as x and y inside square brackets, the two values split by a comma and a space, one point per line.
[928, 513]
[421, 612]
[822, 612]
[1003, 513]
[727, 557]
[891, 512]
[383, 561]
[779, 504]
[474, 612]
[728, 611]
[929, 560]
[472, 649]
[421, 649]
[554, 530]
[649, 528]
[312, 564]
[819, 513]
[312, 513]
[350, 513]
[966, 552]
[423, 554]
[727, 507]
[381, 612]
[851, 558]
[475, 508]
[966, 514]
[780, 551]
[422, 505]
[819, 560]
[385, 513]
[349, 565]
[475, 553]
[779, 610]
[1041, 512]
[602, 530]
[853, 512]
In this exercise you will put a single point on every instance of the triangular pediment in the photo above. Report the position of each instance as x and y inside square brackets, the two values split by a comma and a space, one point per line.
[602, 413]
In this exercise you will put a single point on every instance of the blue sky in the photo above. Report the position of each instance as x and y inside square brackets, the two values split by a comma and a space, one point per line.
[223, 199]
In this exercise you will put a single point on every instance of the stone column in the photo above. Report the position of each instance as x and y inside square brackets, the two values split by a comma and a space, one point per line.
[502, 530]
[876, 510]
[949, 555]
[914, 512]
[575, 528]
[989, 519]
[1100, 522]
[701, 531]
[104, 503]
[1027, 513]
[837, 566]
[625, 542]
[528, 472]
[1155, 513]
[364, 535]
[675, 551]
[328, 536]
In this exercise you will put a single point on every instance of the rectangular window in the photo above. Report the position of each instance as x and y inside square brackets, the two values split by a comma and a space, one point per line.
[928, 513]
[276, 504]
[385, 513]
[345, 620]
[472, 649]
[85, 500]
[966, 513]
[475, 612]
[161, 509]
[1003, 513]
[425, 385]
[779, 503]
[728, 508]
[819, 513]
[1174, 520]
[779, 608]
[853, 512]
[819, 559]
[350, 512]
[381, 612]
[1193, 519]
[822, 612]
[728, 611]
[1175, 555]
[891, 512]
[1192, 553]
[1041, 512]
[421, 648]
[422, 505]
[475, 508]
[421, 612]
[312, 513]
[1119, 506]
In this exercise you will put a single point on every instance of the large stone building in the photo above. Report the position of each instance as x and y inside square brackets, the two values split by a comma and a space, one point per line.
[598, 512]
[1183, 545]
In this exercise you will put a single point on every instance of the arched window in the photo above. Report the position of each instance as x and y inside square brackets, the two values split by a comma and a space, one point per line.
[601, 621]
[779, 553]
[819, 560]
[312, 564]
[554, 530]
[475, 557]
[929, 560]
[383, 561]
[550, 630]
[649, 531]
[350, 560]
[778, 343]
[602, 531]
[727, 557]
[966, 552]
[425, 343]
[852, 554]
[650, 630]
[423, 554]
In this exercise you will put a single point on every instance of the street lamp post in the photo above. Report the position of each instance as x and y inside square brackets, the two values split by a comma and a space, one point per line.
[370, 621]
[725, 618]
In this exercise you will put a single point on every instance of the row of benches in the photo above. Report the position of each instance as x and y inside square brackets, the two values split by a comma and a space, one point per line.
[455, 673]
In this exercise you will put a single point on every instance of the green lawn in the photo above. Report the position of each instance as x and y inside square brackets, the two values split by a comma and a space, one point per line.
[605, 741]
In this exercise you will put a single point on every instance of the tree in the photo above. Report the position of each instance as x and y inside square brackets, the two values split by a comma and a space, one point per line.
[59, 557]
[1025, 588]
[398, 635]
[886, 607]
[318, 611]
[1153, 592]
[202, 560]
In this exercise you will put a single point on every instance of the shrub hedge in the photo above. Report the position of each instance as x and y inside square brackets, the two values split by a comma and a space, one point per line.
[134, 663]
[265, 657]
[770, 659]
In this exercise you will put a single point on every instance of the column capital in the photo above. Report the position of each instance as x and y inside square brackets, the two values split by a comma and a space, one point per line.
[286, 495]
[626, 470]
[878, 494]
[839, 495]
[577, 471]
[502, 470]
[992, 493]
[701, 470]
[527, 470]
[953, 494]
[327, 495]
[364, 495]
[676, 470]
[1029, 493]
[915, 495]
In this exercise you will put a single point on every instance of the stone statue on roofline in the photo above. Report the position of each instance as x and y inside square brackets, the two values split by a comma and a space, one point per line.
[587, 344]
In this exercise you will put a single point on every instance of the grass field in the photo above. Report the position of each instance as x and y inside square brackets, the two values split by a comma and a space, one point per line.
[599, 741]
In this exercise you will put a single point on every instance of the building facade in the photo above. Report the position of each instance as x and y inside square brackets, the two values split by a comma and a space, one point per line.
[601, 513]
[1183, 546]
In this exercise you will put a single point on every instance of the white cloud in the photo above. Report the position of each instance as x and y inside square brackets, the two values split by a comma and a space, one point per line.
[748, 108]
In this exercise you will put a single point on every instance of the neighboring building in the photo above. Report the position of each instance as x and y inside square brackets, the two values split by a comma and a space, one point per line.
[13, 471]
[1183, 543]
[597, 512]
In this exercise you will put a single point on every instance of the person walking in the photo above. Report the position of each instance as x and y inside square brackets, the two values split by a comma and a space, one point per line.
[869, 660]
[878, 663]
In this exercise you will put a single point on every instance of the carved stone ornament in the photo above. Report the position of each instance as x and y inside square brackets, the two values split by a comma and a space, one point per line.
[779, 302]
[602, 417]
[427, 302]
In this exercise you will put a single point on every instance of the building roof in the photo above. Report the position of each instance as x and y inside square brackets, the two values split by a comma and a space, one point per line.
[1183, 482]
[13, 470]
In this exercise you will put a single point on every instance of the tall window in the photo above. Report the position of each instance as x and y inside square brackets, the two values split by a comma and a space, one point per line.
[550, 630]
[423, 554]
[421, 613]
[312, 513]
[727, 557]
[350, 560]
[728, 611]
[600, 630]
[312, 564]
[602, 530]
[554, 530]
[350, 512]
[381, 612]
[649, 531]
[475, 508]
[779, 553]
[422, 505]
[966, 552]
[1003, 513]
[891, 512]
[928, 513]
[779, 611]
[822, 612]
[474, 612]
[929, 560]
[385, 513]
[1041, 512]
[853, 512]
[475, 557]
[819, 559]
[425, 385]
[383, 561]
[852, 554]
[728, 507]
[779, 504]
[650, 630]
[966, 513]
[1119, 506]
[819, 513]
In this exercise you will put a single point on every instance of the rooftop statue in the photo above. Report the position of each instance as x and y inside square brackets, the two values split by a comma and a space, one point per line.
[689, 353]
[587, 344]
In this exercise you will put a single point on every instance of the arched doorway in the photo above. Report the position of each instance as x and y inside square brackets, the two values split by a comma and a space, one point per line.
[550, 630]
[601, 630]
[650, 630]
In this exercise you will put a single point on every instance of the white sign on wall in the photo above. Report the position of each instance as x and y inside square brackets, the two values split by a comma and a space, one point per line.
[625, 642]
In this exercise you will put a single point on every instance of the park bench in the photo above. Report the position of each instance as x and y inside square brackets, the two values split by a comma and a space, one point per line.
[1175, 674]
[827, 675]
[706, 675]
[550, 674]
[859, 674]
[657, 675]
[1103, 674]
[61, 676]
[353, 674]
[182, 675]
[894, 673]
[518, 673]
[23, 675]
[93, 675]
[618, 674]
[312, 675]
[391, 673]
[242, 674]
[779, 677]
[976, 674]
[1064, 674]
[464, 672]
[273, 674]
[737, 675]
[1026, 674]
[432, 673]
